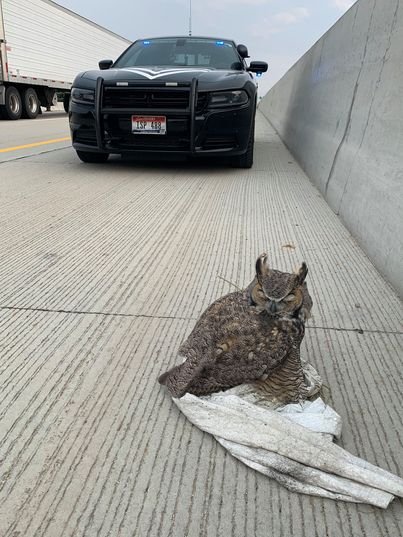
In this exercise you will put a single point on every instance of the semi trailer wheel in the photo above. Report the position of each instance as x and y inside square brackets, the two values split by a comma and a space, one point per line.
[12, 108]
[30, 104]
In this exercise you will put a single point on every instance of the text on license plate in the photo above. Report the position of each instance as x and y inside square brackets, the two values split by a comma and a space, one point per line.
[149, 124]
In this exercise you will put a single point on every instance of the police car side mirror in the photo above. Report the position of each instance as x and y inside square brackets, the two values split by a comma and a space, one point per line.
[105, 64]
[258, 67]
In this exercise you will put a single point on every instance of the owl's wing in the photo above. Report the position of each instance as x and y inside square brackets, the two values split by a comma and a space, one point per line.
[200, 345]
[230, 347]
[245, 359]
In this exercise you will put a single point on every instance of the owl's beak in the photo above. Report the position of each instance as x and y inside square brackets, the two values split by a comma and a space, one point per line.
[272, 307]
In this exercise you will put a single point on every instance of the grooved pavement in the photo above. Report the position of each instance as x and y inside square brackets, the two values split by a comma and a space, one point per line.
[104, 270]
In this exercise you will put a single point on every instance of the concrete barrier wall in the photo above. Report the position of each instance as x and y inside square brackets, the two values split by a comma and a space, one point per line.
[339, 110]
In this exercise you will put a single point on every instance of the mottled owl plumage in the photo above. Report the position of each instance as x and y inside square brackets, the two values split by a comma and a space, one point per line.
[248, 336]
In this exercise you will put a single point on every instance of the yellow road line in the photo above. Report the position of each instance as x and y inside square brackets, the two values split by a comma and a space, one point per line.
[35, 144]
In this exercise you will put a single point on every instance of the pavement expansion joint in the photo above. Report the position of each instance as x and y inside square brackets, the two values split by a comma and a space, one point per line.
[178, 318]
[357, 330]
[22, 157]
[103, 313]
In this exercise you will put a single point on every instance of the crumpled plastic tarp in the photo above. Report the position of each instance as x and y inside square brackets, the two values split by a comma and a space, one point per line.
[292, 444]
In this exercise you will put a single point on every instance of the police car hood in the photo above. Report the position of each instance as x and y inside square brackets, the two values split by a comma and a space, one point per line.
[207, 78]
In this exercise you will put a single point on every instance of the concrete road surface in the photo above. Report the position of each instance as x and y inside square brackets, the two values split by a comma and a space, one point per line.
[104, 270]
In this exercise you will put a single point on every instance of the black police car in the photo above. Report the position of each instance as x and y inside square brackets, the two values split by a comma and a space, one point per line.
[171, 95]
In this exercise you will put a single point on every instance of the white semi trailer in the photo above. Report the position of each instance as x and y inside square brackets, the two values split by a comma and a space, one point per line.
[42, 48]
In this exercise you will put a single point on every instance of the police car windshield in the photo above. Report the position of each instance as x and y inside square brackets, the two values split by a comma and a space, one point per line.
[181, 52]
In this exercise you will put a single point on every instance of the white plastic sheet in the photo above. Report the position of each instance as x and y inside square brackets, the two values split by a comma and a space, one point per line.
[292, 444]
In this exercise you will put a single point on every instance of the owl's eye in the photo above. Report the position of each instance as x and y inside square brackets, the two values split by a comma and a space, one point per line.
[289, 298]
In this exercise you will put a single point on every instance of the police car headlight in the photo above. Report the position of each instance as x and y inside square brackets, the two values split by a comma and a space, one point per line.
[228, 98]
[83, 96]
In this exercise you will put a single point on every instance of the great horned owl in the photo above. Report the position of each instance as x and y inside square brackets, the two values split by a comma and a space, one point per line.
[248, 336]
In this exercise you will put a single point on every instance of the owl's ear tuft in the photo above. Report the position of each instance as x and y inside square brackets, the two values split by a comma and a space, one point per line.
[301, 273]
[262, 268]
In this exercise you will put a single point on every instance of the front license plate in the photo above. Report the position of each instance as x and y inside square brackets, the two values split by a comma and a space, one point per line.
[149, 124]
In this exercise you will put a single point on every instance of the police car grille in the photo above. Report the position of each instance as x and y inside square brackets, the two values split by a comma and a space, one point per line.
[150, 99]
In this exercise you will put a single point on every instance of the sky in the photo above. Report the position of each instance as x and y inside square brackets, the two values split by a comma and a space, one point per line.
[276, 31]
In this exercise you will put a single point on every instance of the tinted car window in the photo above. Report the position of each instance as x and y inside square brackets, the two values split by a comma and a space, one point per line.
[181, 53]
